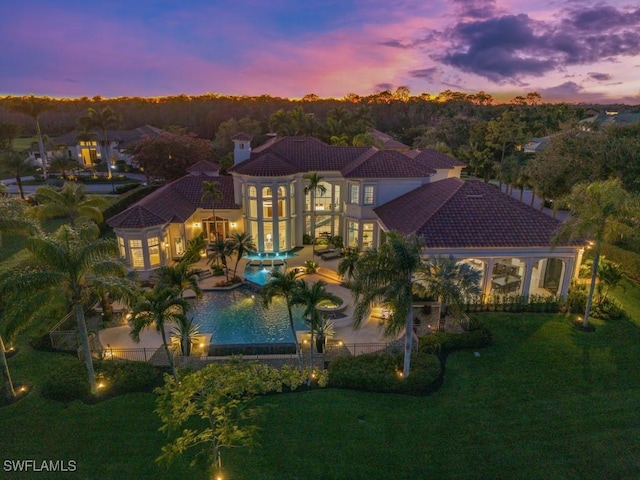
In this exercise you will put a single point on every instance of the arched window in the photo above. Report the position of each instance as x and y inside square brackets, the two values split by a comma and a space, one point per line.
[252, 191]
[282, 192]
[266, 192]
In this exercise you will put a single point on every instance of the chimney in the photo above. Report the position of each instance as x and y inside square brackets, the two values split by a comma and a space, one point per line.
[242, 147]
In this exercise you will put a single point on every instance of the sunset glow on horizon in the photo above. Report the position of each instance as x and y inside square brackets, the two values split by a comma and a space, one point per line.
[565, 50]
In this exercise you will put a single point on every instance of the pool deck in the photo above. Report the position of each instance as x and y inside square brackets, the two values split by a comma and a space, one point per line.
[369, 332]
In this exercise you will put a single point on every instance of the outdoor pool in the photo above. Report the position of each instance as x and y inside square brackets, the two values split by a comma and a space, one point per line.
[261, 275]
[238, 317]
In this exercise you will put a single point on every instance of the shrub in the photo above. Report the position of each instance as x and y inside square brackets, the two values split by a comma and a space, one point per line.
[217, 269]
[629, 261]
[609, 309]
[126, 187]
[382, 373]
[127, 377]
[66, 382]
[306, 239]
[310, 266]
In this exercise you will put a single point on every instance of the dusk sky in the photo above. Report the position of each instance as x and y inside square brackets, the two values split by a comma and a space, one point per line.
[567, 50]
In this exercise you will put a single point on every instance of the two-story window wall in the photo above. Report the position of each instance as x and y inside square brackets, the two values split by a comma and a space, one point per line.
[269, 210]
[327, 206]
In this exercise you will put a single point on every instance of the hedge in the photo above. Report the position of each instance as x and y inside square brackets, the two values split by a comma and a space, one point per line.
[382, 373]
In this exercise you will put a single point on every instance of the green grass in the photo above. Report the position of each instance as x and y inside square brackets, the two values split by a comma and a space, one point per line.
[545, 401]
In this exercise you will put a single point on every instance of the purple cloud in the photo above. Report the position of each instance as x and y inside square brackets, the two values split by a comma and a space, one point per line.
[426, 73]
[476, 9]
[601, 77]
[508, 47]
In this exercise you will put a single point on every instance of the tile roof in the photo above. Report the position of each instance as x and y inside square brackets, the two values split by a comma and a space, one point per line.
[435, 160]
[174, 202]
[204, 166]
[454, 213]
[124, 137]
[242, 136]
[385, 164]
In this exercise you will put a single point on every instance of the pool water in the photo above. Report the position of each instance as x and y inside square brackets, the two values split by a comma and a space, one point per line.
[261, 275]
[270, 256]
[239, 317]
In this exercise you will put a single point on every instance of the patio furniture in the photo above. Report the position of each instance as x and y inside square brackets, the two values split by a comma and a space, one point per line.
[331, 255]
[322, 251]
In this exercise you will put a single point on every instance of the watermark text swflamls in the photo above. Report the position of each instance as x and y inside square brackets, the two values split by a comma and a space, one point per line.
[31, 465]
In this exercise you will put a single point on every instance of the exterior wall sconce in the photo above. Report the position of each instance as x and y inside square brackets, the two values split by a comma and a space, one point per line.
[196, 224]
[233, 224]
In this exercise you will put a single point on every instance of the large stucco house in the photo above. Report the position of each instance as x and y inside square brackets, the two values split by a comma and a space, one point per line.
[368, 191]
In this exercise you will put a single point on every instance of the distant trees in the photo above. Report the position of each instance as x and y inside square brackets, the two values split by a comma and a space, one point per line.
[101, 120]
[167, 156]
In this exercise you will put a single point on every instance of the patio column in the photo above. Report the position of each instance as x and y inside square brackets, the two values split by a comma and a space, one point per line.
[526, 282]
[567, 275]
[486, 282]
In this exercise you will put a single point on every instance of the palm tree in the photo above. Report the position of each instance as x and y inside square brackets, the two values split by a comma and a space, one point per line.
[313, 188]
[160, 306]
[284, 285]
[219, 250]
[448, 281]
[385, 276]
[101, 120]
[347, 265]
[70, 203]
[16, 164]
[34, 107]
[13, 219]
[195, 247]
[598, 210]
[62, 163]
[310, 297]
[77, 263]
[180, 277]
[211, 190]
[185, 332]
[241, 243]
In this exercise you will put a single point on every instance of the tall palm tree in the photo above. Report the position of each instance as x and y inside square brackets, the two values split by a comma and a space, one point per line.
[185, 332]
[313, 188]
[70, 203]
[385, 276]
[598, 211]
[241, 243]
[34, 107]
[13, 219]
[16, 164]
[284, 285]
[211, 190]
[101, 120]
[309, 297]
[159, 307]
[77, 263]
[180, 277]
[448, 281]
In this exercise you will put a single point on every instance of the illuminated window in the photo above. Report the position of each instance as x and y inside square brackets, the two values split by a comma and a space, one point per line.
[266, 192]
[154, 251]
[252, 191]
[368, 195]
[354, 193]
[137, 256]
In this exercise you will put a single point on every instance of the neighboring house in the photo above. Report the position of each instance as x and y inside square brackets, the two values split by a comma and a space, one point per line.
[90, 151]
[536, 144]
[368, 191]
[610, 118]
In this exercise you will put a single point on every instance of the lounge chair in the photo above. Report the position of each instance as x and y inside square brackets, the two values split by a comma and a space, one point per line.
[322, 251]
[255, 263]
[331, 255]
[278, 263]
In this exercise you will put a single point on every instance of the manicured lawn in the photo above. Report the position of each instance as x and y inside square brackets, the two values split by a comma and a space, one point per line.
[545, 401]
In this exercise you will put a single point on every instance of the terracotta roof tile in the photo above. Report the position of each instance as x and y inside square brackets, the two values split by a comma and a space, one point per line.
[453, 213]
[385, 164]
[204, 166]
[435, 160]
[174, 202]
[242, 136]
